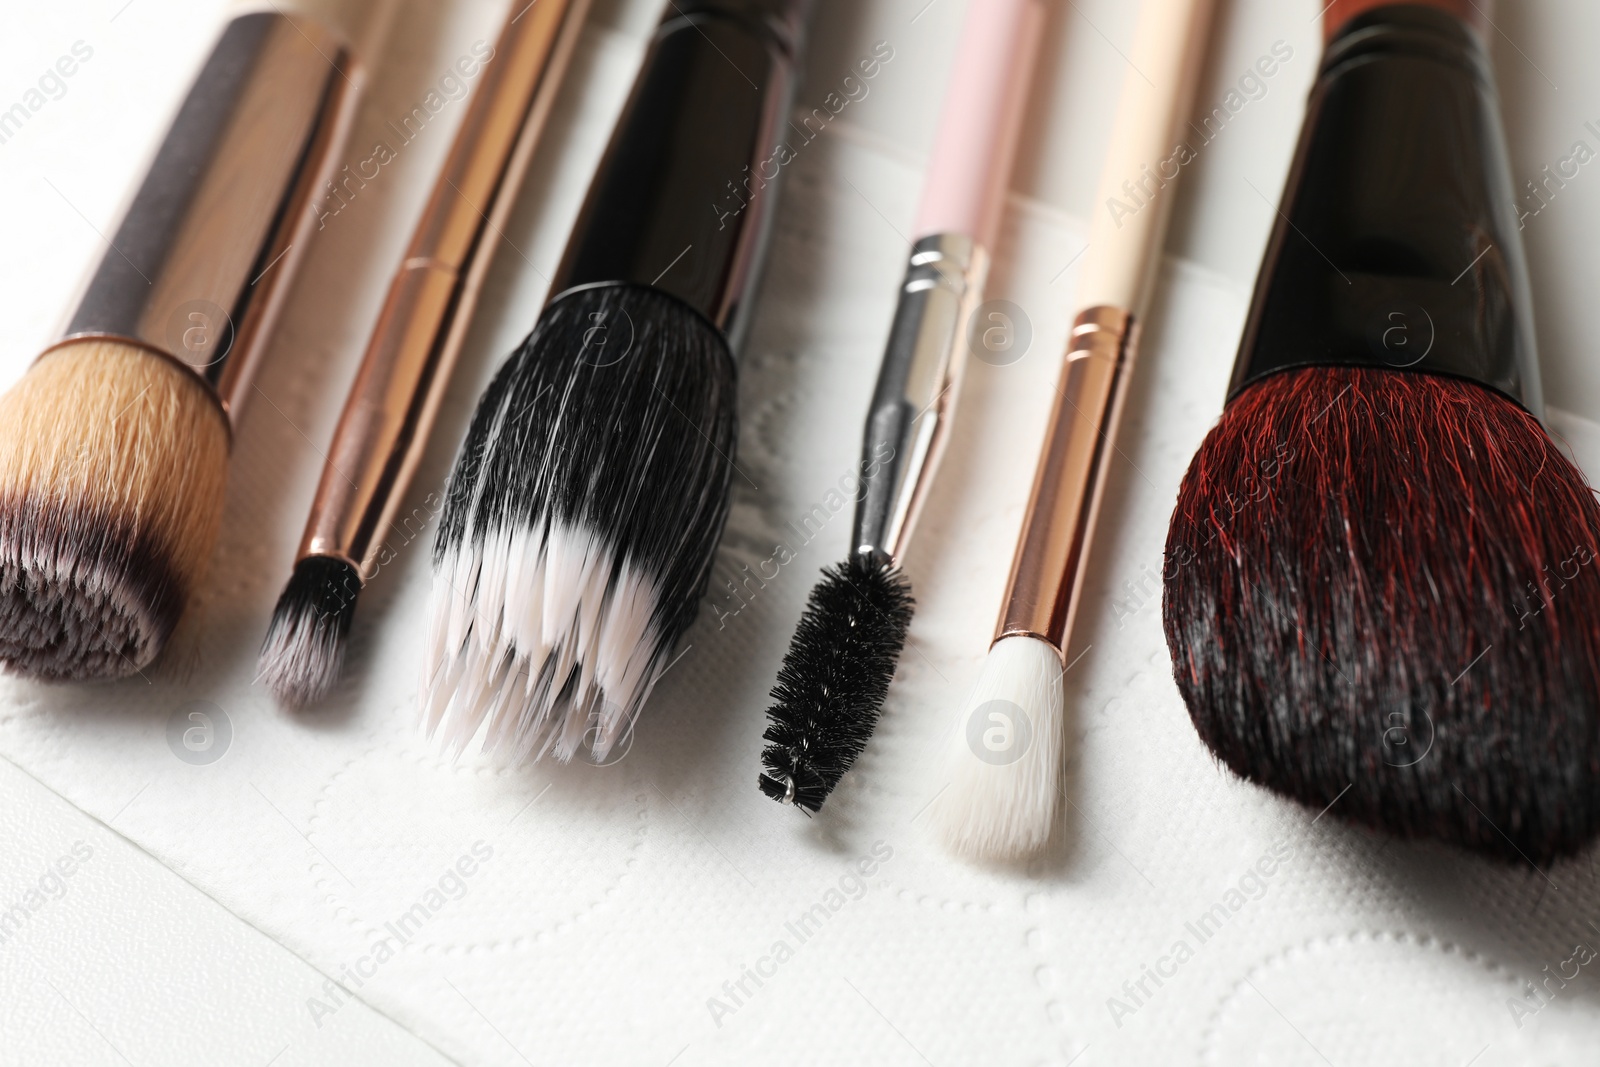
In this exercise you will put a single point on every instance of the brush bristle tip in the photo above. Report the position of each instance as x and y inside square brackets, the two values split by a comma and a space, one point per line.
[302, 655]
[1002, 763]
[579, 528]
[835, 678]
[1380, 601]
[113, 463]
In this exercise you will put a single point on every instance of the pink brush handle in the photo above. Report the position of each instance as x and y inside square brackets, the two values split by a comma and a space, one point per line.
[982, 118]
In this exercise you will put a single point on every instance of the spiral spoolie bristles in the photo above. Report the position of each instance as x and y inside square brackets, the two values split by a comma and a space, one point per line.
[834, 679]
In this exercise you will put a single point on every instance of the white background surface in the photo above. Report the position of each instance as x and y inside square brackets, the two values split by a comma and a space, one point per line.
[220, 899]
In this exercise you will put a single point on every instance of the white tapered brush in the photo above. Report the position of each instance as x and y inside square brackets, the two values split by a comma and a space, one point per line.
[1001, 779]
[1004, 765]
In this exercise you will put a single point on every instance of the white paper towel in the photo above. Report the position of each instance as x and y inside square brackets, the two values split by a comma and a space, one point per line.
[660, 910]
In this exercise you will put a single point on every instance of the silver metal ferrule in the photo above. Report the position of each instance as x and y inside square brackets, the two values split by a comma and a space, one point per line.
[200, 265]
[917, 387]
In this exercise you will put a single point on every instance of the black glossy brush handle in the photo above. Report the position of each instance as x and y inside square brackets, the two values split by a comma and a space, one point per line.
[1397, 243]
[683, 197]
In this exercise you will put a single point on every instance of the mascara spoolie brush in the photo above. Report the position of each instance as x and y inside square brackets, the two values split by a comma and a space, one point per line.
[1379, 593]
[1002, 766]
[401, 382]
[590, 492]
[837, 670]
[114, 446]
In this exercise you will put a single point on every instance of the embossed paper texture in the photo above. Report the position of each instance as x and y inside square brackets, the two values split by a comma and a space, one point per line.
[660, 910]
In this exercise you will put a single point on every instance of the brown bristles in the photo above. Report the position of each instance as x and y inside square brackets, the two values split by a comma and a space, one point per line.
[1383, 595]
[113, 463]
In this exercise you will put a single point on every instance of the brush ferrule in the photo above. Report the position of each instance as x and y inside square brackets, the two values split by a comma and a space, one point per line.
[1047, 572]
[915, 398]
[199, 267]
[682, 201]
[1397, 245]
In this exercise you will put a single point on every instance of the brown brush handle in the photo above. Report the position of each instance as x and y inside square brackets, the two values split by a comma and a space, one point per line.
[1474, 13]
[413, 348]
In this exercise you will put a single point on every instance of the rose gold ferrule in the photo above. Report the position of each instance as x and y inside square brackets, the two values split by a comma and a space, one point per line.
[199, 267]
[413, 348]
[1047, 572]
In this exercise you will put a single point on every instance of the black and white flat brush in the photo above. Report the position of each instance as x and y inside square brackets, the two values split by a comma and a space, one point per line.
[592, 487]
[837, 671]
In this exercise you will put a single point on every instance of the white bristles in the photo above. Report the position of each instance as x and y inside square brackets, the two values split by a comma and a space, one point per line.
[1003, 761]
[538, 643]
[578, 530]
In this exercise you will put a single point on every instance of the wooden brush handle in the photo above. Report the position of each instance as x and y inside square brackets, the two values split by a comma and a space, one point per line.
[1474, 13]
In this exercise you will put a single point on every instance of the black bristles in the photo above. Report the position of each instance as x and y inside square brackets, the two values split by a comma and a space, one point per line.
[594, 478]
[834, 679]
[1383, 601]
[304, 648]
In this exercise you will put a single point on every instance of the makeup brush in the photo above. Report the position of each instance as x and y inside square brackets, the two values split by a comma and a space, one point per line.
[1002, 765]
[589, 495]
[395, 398]
[114, 446]
[1379, 592]
[838, 668]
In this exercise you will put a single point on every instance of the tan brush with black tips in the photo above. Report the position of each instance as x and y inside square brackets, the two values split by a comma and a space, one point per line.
[114, 446]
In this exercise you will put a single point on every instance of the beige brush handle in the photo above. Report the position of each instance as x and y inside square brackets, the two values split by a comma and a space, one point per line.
[1125, 239]
[1143, 161]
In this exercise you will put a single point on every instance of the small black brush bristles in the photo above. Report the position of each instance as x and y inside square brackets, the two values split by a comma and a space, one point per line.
[304, 648]
[617, 418]
[834, 679]
[1383, 600]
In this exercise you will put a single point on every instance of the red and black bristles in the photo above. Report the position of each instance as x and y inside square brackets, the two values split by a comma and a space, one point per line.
[1385, 588]
[1381, 595]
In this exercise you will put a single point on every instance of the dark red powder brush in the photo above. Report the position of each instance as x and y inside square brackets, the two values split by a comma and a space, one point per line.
[1383, 577]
